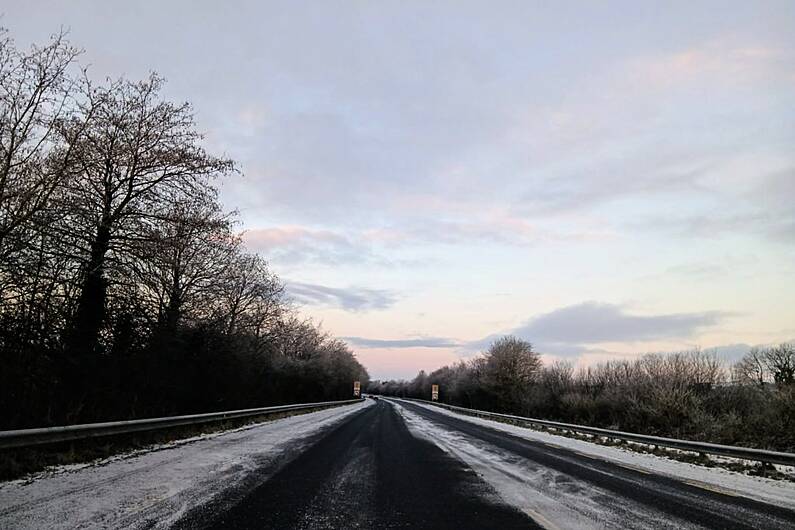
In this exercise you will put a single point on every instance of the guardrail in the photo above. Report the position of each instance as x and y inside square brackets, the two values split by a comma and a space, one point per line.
[704, 448]
[46, 435]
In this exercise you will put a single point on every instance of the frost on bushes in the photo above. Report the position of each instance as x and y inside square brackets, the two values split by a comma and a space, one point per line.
[689, 394]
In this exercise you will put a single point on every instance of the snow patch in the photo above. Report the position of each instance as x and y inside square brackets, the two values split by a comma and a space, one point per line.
[152, 488]
[553, 499]
[762, 489]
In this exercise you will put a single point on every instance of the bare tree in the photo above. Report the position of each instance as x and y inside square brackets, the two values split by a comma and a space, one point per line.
[34, 97]
[751, 369]
[251, 298]
[557, 378]
[137, 155]
[510, 366]
[780, 361]
[182, 258]
[113, 241]
[298, 339]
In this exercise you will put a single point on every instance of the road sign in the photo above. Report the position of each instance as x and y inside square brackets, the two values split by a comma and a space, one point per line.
[357, 388]
[435, 392]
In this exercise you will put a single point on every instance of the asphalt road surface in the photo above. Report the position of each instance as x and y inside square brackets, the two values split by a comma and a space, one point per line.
[371, 471]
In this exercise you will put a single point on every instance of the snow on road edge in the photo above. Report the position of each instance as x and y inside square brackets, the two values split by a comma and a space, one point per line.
[154, 489]
[551, 498]
[759, 488]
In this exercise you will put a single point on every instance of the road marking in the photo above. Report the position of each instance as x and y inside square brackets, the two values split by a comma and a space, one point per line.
[625, 466]
[713, 489]
[540, 519]
[633, 468]
[592, 457]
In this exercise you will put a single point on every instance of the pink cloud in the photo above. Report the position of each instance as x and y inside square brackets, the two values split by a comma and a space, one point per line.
[266, 238]
[291, 244]
[714, 61]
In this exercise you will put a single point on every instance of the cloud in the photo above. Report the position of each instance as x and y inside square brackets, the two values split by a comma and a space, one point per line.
[354, 299]
[720, 60]
[775, 226]
[422, 342]
[735, 352]
[294, 244]
[291, 244]
[593, 322]
[698, 271]
[732, 352]
[569, 330]
[495, 227]
[762, 199]
[627, 178]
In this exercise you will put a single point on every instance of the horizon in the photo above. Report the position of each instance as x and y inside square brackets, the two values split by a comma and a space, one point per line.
[600, 182]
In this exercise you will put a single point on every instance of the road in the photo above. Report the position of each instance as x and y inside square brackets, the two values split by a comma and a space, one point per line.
[373, 471]
[391, 464]
[370, 472]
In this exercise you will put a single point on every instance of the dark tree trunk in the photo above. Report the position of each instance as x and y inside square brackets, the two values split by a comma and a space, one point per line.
[90, 314]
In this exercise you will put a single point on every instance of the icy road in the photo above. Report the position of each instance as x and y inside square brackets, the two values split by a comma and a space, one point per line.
[392, 464]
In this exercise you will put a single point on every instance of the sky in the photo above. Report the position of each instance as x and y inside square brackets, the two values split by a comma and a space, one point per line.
[603, 179]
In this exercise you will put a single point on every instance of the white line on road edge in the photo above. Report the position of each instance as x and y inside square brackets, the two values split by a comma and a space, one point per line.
[763, 489]
[544, 494]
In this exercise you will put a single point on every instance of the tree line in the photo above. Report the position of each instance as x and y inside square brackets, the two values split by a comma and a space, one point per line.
[125, 289]
[692, 394]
